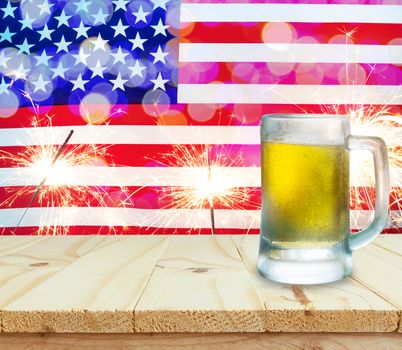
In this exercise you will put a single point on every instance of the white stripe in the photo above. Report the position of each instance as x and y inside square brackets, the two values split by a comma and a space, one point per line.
[158, 176]
[291, 13]
[117, 135]
[300, 53]
[212, 135]
[166, 218]
[289, 94]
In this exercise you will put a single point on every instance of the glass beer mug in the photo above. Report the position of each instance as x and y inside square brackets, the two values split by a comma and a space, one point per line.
[305, 231]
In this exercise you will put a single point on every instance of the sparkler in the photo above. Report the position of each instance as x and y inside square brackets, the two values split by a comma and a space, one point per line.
[39, 187]
[52, 164]
[213, 189]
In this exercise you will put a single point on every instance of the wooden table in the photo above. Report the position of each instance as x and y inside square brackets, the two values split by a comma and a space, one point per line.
[188, 292]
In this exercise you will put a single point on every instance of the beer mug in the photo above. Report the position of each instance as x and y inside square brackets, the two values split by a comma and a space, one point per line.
[305, 231]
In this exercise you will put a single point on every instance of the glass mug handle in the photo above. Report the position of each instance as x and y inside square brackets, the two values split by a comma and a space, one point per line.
[379, 151]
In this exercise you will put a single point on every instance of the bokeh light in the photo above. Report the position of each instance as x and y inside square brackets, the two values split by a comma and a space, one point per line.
[352, 74]
[35, 13]
[9, 104]
[278, 32]
[155, 103]
[95, 108]
[201, 112]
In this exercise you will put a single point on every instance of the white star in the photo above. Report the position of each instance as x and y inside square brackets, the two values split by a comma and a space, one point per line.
[62, 19]
[118, 83]
[40, 84]
[120, 4]
[79, 83]
[81, 57]
[138, 42]
[119, 56]
[26, 22]
[137, 69]
[45, 33]
[20, 72]
[62, 45]
[99, 43]
[82, 30]
[82, 6]
[8, 10]
[97, 71]
[159, 55]
[159, 82]
[4, 87]
[3, 59]
[160, 28]
[7, 35]
[24, 47]
[59, 71]
[100, 17]
[43, 59]
[119, 29]
[160, 3]
[45, 8]
[141, 15]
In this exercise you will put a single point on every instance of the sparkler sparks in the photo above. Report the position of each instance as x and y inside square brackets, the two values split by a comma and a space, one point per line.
[214, 190]
[49, 165]
[378, 122]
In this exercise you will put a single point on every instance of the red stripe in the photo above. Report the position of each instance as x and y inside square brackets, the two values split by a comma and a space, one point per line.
[193, 114]
[135, 230]
[120, 230]
[334, 33]
[289, 73]
[145, 155]
[119, 197]
[161, 197]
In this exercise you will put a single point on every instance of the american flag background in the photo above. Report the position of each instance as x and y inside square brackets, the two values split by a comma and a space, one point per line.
[164, 100]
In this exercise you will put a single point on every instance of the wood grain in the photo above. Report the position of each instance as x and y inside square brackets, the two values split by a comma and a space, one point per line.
[344, 306]
[199, 284]
[24, 269]
[96, 292]
[185, 284]
[196, 341]
[392, 243]
[380, 270]
[11, 244]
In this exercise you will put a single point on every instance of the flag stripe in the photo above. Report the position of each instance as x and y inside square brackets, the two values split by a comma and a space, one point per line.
[247, 12]
[189, 115]
[304, 2]
[299, 53]
[341, 33]
[167, 218]
[296, 94]
[137, 230]
[150, 135]
[289, 73]
[228, 155]
[148, 176]
[156, 197]
[149, 155]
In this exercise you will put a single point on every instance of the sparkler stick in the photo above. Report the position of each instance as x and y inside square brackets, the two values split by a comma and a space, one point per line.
[39, 187]
[211, 200]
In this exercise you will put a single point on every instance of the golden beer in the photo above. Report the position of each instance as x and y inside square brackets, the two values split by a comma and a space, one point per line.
[305, 194]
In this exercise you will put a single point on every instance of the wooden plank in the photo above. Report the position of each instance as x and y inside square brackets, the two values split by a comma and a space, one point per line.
[344, 306]
[96, 292]
[23, 270]
[206, 341]
[200, 284]
[381, 271]
[11, 244]
[391, 242]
